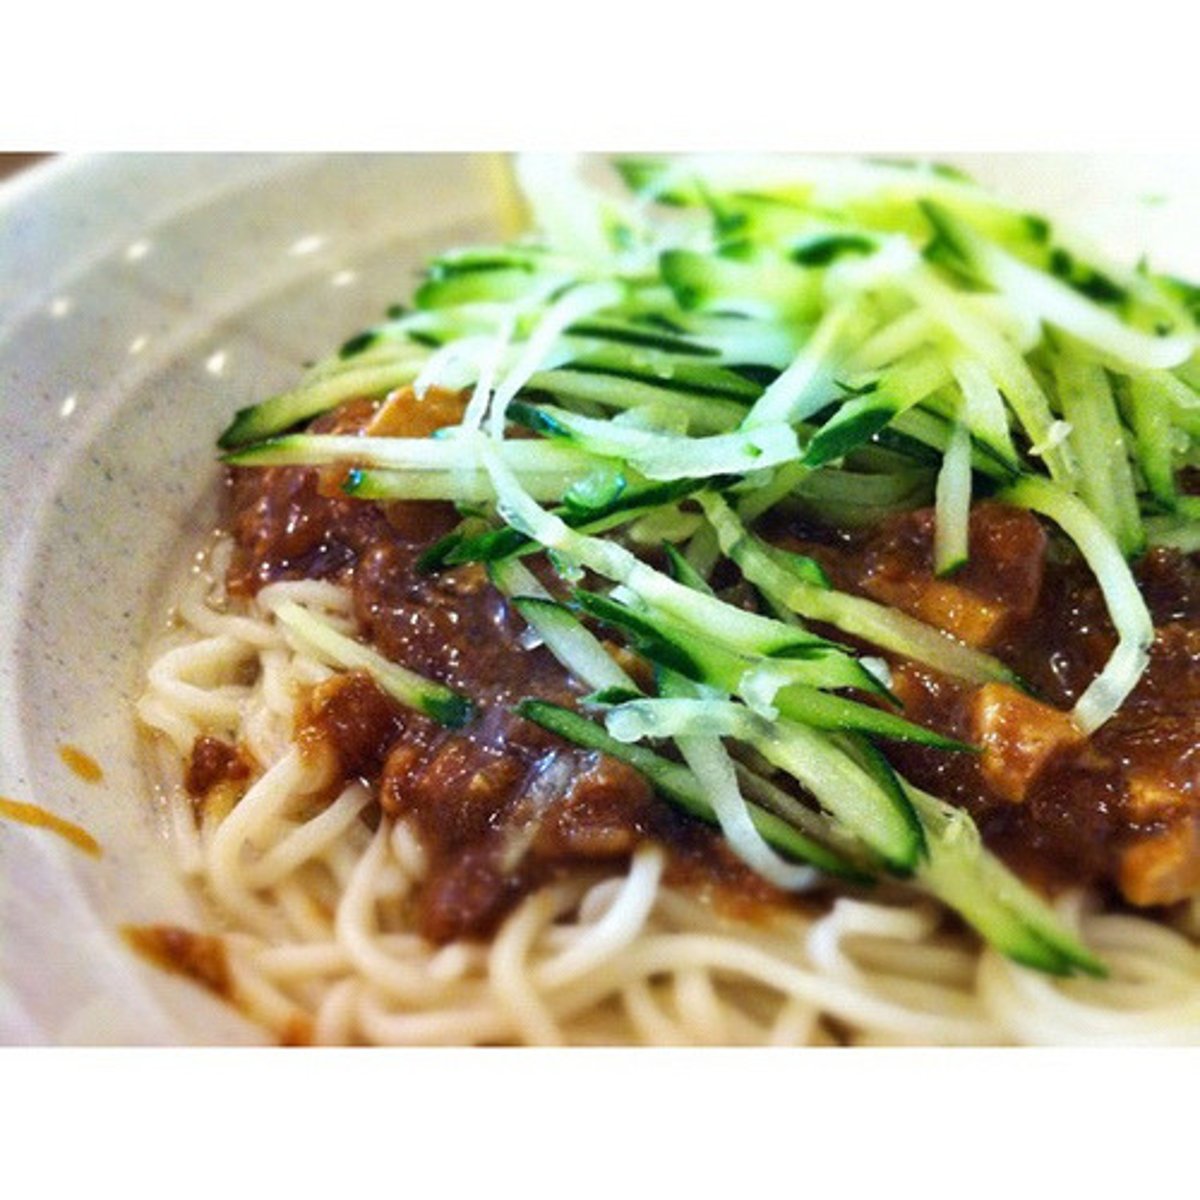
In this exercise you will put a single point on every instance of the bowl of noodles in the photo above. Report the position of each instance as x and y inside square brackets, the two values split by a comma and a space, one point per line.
[667, 600]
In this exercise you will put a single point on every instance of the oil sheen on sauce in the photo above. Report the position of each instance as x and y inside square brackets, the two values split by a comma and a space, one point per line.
[502, 806]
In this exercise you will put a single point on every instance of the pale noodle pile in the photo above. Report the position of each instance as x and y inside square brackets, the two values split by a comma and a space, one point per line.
[311, 906]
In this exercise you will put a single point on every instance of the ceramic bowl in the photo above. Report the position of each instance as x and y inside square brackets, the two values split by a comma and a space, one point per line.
[142, 300]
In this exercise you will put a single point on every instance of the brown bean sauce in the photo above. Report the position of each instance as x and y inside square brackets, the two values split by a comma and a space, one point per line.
[212, 762]
[503, 806]
[1121, 809]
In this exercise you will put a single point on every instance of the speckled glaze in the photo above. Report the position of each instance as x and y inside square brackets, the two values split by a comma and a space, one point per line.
[142, 300]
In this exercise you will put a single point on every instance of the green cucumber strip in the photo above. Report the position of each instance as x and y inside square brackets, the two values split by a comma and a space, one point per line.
[335, 649]
[703, 553]
[799, 566]
[676, 784]
[383, 346]
[791, 686]
[1003, 363]
[764, 496]
[573, 645]
[539, 351]
[709, 339]
[1059, 305]
[409, 454]
[460, 485]
[1106, 481]
[960, 872]
[710, 761]
[1181, 533]
[846, 492]
[1150, 415]
[885, 822]
[820, 249]
[664, 526]
[627, 503]
[668, 371]
[882, 398]
[770, 287]
[500, 286]
[809, 384]
[983, 409]
[664, 456]
[799, 815]
[760, 348]
[1135, 630]
[648, 638]
[809, 706]
[1181, 388]
[288, 409]
[856, 421]
[924, 437]
[804, 656]
[470, 259]
[577, 649]
[909, 332]
[1084, 278]
[627, 333]
[964, 875]
[705, 414]
[885, 627]
[952, 505]
[682, 571]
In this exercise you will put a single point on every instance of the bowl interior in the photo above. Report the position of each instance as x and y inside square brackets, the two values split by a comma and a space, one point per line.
[142, 300]
[190, 286]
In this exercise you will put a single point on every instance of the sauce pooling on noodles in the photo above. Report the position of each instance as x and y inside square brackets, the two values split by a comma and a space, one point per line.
[592, 605]
[502, 806]
[1120, 809]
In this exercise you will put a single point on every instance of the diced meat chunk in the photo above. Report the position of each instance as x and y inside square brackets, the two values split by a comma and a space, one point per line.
[1160, 754]
[1019, 736]
[1148, 794]
[1163, 867]
[352, 717]
[969, 617]
[406, 414]
[997, 587]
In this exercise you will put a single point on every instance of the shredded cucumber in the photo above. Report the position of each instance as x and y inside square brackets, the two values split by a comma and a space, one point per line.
[1106, 482]
[952, 512]
[680, 785]
[664, 456]
[885, 823]
[443, 704]
[830, 339]
[885, 627]
[1135, 630]
[564, 636]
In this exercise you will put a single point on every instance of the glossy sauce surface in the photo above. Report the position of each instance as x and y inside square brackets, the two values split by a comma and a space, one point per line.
[1120, 809]
[502, 805]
